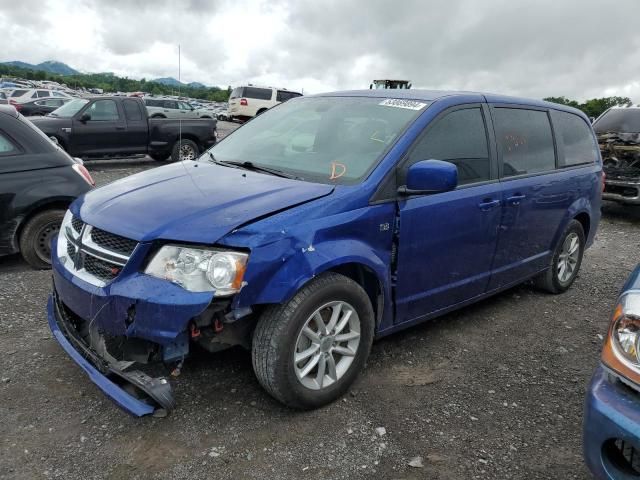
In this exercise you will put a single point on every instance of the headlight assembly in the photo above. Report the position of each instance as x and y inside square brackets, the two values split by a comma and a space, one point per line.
[621, 352]
[200, 269]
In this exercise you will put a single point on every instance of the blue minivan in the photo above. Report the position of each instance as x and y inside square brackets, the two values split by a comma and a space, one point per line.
[320, 225]
[612, 408]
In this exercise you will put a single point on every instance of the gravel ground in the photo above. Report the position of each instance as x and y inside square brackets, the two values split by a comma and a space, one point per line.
[493, 391]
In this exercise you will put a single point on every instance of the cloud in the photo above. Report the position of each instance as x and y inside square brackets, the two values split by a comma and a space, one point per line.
[575, 48]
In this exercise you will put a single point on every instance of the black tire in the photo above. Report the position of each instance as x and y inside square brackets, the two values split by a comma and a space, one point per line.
[275, 337]
[184, 143]
[549, 280]
[36, 236]
[261, 111]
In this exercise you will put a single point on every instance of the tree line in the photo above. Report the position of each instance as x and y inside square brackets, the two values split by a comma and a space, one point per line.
[594, 107]
[112, 83]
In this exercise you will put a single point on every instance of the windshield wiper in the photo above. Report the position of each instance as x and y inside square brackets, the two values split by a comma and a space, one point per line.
[253, 167]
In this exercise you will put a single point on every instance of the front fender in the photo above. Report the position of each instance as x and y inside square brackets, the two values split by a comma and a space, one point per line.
[308, 261]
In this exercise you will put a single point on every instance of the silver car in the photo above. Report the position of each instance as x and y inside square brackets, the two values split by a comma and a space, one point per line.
[169, 108]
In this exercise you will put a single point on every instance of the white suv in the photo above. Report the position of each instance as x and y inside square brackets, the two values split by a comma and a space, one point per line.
[22, 95]
[247, 102]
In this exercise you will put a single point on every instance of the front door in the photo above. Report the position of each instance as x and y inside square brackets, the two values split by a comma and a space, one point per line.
[447, 241]
[104, 132]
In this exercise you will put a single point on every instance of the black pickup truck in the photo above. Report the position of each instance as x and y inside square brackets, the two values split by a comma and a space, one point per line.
[103, 127]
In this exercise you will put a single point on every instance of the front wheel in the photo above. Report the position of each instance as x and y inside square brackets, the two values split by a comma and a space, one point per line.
[307, 352]
[565, 262]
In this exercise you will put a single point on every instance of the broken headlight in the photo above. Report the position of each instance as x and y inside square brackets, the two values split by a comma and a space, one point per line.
[200, 270]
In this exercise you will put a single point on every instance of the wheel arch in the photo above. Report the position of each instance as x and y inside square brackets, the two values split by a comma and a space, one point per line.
[61, 203]
[352, 259]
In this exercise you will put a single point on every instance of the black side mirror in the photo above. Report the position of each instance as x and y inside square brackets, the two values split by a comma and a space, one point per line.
[85, 117]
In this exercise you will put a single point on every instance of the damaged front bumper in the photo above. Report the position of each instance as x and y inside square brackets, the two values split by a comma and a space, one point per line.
[135, 319]
[622, 191]
[145, 394]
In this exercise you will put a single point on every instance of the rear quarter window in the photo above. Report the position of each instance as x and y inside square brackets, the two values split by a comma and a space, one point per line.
[257, 93]
[236, 92]
[18, 93]
[283, 96]
[577, 140]
[525, 141]
[7, 147]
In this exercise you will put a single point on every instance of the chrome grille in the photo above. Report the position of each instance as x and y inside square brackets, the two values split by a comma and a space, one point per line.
[93, 254]
[77, 224]
[113, 242]
[105, 271]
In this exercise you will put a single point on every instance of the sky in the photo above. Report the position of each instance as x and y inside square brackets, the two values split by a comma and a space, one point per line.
[536, 48]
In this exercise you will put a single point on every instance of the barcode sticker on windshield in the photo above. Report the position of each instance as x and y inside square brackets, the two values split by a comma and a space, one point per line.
[409, 104]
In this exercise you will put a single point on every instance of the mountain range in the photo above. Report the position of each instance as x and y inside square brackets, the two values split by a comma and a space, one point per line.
[59, 68]
[50, 66]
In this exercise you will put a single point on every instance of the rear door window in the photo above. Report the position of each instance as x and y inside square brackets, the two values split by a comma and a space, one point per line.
[525, 141]
[258, 93]
[460, 137]
[171, 104]
[43, 93]
[131, 110]
[573, 133]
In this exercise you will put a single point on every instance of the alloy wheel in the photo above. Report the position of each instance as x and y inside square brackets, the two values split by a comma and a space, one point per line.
[327, 345]
[568, 258]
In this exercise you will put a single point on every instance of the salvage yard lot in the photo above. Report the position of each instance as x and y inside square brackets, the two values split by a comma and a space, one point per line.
[492, 391]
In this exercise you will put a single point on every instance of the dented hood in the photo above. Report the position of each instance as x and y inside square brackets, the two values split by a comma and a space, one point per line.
[191, 201]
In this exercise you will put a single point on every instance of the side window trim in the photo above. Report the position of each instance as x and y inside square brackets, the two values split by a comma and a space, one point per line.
[488, 127]
[502, 178]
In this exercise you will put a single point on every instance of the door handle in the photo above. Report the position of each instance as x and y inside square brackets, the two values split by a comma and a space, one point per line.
[515, 199]
[488, 204]
[120, 128]
[65, 130]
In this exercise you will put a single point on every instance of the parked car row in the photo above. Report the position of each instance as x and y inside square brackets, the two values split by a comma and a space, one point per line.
[167, 108]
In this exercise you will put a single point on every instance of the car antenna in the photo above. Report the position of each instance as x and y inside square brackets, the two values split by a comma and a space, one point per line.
[179, 117]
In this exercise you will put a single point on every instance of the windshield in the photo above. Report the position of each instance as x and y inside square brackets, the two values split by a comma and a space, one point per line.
[620, 120]
[320, 139]
[69, 109]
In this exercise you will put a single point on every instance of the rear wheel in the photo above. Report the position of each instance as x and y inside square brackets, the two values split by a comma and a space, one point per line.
[37, 235]
[307, 352]
[565, 262]
[184, 150]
